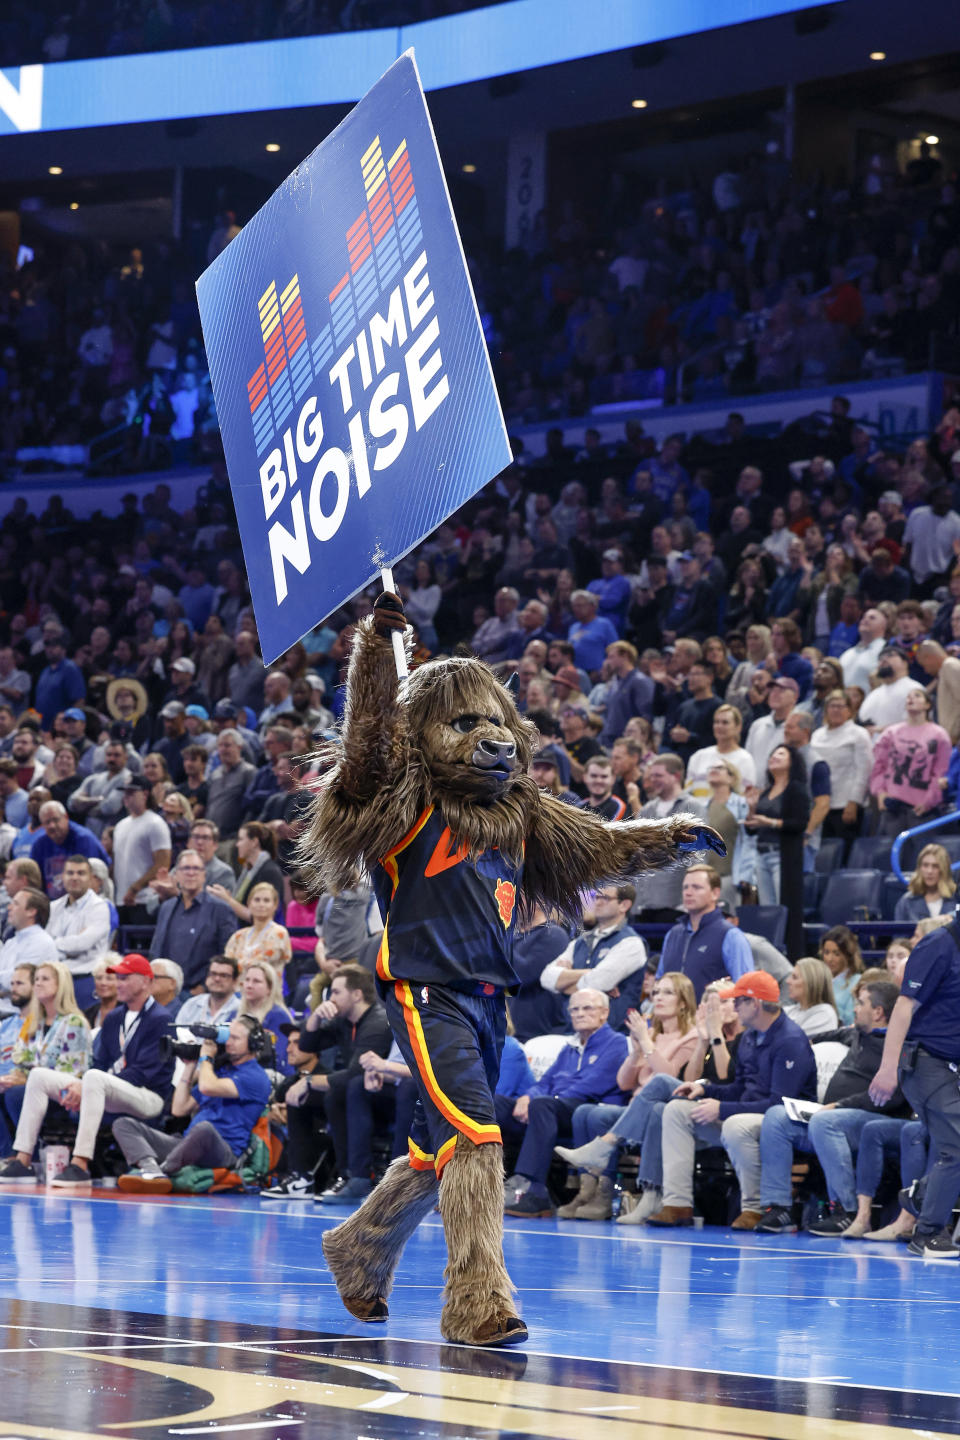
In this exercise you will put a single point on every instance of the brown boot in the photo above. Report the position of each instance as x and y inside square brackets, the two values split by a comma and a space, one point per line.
[672, 1215]
[363, 1252]
[478, 1300]
[747, 1220]
[588, 1189]
[601, 1206]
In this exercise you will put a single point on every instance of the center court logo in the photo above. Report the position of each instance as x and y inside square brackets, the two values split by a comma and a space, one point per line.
[374, 364]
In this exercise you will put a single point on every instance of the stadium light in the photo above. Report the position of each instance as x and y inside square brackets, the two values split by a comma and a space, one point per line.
[469, 169]
[272, 148]
[878, 54]
[55, 170]
[638, 104]
[931, 140]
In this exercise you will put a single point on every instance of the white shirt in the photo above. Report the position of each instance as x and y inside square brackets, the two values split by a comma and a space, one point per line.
[931, 538]
[860, 662]
[887, 704]
[763, 737]
[135, 842]
[703, 761]
[31, 946]
[625, 958]
[81, 931]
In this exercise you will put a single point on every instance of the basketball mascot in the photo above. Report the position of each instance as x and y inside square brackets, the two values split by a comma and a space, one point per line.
[430, 792]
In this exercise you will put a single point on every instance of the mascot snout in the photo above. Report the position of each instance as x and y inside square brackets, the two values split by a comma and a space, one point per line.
[496, 756]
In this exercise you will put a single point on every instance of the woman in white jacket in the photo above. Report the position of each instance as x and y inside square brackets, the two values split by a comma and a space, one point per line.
[848, 751]
[812, 1005]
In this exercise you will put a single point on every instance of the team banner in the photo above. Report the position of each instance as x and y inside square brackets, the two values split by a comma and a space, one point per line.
[351, 377]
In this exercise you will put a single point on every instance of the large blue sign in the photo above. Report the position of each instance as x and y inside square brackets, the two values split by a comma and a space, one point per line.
[352, 381]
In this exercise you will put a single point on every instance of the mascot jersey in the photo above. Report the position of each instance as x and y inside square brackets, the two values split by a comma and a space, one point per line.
[446, 919]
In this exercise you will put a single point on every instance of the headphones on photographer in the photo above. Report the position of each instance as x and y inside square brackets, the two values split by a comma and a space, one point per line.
[258, 1039]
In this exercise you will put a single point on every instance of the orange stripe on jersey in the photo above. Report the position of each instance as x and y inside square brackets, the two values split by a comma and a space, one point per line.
[444, 856]
[444, 1154]
[388, 861]
[479, 1134]
[383, 955]
[419, 1159]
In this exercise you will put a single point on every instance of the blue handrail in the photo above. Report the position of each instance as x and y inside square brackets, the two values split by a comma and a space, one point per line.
[927, 825]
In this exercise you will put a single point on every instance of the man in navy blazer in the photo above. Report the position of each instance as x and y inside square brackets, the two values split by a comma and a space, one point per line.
[192, 926]
[129, 1075]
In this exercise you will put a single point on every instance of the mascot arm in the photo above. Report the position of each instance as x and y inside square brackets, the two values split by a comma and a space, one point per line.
[569, 850]
[374, 734]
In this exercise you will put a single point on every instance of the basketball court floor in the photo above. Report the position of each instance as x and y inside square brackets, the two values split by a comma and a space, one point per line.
[160, 1317]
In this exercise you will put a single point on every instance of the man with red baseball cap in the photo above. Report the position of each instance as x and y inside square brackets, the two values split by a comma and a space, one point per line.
[128, 1076]
[774, 1059]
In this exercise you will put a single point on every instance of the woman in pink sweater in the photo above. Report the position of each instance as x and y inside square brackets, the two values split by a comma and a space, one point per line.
[910, 767]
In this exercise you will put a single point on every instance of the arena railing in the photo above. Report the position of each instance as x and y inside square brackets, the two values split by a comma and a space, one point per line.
[926, 828]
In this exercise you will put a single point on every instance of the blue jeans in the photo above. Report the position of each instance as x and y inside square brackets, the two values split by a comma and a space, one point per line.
[638, 1124]
[881, 1139]
[768, 877]
[589, 1121]
[833, 1135]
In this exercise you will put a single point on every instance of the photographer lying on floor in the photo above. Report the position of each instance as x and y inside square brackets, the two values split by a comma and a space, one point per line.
[225, 1104]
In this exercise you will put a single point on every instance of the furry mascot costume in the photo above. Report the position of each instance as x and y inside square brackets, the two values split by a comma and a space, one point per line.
[430, 792]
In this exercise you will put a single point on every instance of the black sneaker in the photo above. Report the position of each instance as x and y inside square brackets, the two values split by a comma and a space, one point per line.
[530, 1206]
[72, 1177]
[835, 1223]
[777, 1220]
[294, 1187]
[13, 1173]
[940, 1246]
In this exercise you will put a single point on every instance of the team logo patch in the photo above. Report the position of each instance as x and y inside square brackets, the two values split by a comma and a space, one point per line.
[506, 897]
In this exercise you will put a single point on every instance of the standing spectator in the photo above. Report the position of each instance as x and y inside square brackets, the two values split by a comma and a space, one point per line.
[263, 938]
[228, 783]
[256, 851]
[861, 660]
[758, 650]
[886, 705]
[778, 815]
[929, 541]
[491, 641]
[910, 763]
[704, 946]
[598, 783]
[786, 639]
[590, 633]
[727, 724]
[693, 721]
[932, 889]
[612, 589]
[845, 747]
[246, 676]
[944, 671]
[766, 733]
[80, 927]
[141, 848]
[60, 683]
[194, 925]
[660, 893]
[629, 692]
[98, 800]
[611, 957]
[921, 1052]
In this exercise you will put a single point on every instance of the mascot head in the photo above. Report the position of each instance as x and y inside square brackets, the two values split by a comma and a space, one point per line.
[472, 740]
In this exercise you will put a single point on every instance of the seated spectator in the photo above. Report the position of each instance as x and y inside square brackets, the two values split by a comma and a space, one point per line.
[223, 1101]
[910, 763]
[256, 851]
[932, 889]
[264, 939]
[27, 916]
[194, 787]
[20, 993]
[300, 913]
[167, 985]
[720, 950]
[834, 1132]
[62, 776]
[219, 1000]
[727, 723]
[104, 989]
[262, 997]
[355, 1022]
[193, 926]
[80, 926]
[536, 1009]
[584, 1071]
[840, 950]
[598, 783]
[545, 772]
[810, 987]
[774, 1059]
[611, 957]
[491, 641]
[662, 1050]
[178, 814]
[62, 837]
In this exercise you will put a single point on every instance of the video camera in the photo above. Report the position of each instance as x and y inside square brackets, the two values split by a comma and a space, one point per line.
[184, 1041]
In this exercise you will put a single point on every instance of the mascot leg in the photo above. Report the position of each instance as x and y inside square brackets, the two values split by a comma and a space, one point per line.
[478, 1301]
[363, 1252]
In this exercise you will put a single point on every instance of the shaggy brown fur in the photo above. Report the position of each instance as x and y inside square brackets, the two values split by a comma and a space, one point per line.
[400, 754]
[479, 1307]
[363, 1252]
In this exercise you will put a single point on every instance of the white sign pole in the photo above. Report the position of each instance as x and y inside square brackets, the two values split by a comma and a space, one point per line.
[399, 653]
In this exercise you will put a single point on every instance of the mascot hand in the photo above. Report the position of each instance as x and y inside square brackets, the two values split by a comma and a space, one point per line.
[702, 837]
[388, 615]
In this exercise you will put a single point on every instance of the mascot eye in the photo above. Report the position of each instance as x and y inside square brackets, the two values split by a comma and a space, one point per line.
[465, 723]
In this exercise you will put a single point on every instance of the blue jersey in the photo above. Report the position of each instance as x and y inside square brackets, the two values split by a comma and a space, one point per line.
[446, 919]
